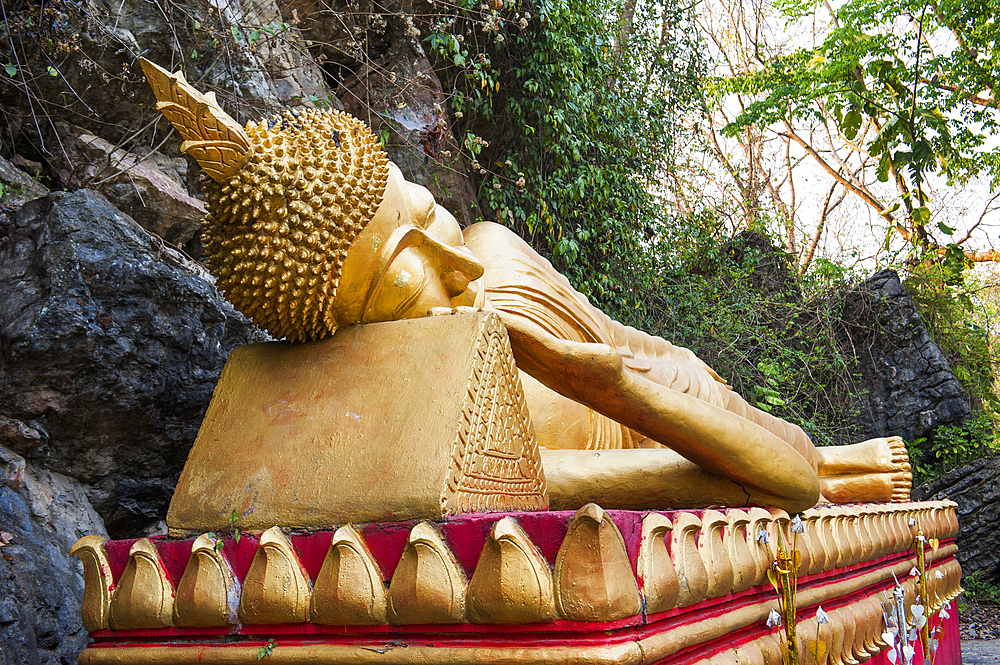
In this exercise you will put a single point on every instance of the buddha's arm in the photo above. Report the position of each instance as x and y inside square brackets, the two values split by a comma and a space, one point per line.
[706, 384]
[717, 440]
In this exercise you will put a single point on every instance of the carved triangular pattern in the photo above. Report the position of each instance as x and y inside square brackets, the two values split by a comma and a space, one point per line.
[496, 462]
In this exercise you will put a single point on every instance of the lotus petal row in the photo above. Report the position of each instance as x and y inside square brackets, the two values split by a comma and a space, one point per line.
[683, 559]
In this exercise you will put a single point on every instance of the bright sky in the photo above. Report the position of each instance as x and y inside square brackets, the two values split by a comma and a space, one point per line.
[854, 232]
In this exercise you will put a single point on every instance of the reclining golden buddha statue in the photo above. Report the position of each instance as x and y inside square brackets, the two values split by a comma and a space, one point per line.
[311, 229]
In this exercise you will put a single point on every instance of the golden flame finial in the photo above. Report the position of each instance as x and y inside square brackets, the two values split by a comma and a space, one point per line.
[210, 134]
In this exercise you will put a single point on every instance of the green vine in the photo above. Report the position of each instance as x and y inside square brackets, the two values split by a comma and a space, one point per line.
[568, 120]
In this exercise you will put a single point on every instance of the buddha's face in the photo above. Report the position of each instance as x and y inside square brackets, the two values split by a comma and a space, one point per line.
[409, 258]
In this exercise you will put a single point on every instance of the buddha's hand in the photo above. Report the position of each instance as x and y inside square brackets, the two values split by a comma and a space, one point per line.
[577, 370]
[445, 311]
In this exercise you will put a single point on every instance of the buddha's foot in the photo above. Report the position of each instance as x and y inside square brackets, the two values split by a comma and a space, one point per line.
[873, 470]
[902, 476]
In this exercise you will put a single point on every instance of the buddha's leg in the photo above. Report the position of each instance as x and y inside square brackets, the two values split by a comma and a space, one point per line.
[720, 442]
[873, 470]
[640, 479]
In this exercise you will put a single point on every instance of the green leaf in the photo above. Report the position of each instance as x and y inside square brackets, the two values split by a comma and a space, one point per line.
[945, 228]
[883, 168]
[921, 216]
[10, 69]
[53, 71]
[852, 122]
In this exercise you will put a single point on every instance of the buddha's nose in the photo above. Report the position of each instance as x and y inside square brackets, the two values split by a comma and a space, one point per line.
[455, 283]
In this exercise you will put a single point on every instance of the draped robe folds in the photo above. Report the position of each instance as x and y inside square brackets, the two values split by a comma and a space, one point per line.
[520, 283]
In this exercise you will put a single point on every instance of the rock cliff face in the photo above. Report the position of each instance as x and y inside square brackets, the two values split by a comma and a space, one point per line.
[911, 387]
[975, 487]
[111, 347]
[41, 515]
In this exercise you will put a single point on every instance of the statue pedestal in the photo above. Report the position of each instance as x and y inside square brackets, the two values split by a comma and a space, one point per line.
[387, 421]
[593, 586]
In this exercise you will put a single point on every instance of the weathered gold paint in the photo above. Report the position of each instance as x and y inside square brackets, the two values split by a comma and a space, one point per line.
[692, 574]
[428, 585]
[750, 653]
[628, 653]
[143, 597]
[349, 589]
[813, 552]
[512, 582]
[593, 576]
[96, 580]
[658, 578]
[760, 519]
[276, 588]
[208, 592]
[293, 437]
[649, 650]
[743, 562]
[714, 553]
[660, 646]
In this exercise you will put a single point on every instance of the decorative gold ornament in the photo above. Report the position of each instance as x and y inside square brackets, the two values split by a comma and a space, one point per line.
[512, 582]
[349, 589]
[428, 585]
[814, 554]
[208, 593]
[852, 635]
[593, 575]
[97, 582]
[743, 563]
[144, 597]
[278, 231]
[210, 135]
[657, 576]
[276, 588]
[757, 531]
[714, 553]
[770, 647]
[692, 575]
[750, 653]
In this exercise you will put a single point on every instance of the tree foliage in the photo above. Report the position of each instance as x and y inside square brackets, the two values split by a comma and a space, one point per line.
[908, 83]
[580, 100]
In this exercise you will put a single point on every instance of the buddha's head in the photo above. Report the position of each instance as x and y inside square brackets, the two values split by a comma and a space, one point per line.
[310, 227]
